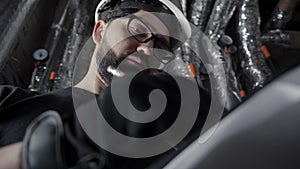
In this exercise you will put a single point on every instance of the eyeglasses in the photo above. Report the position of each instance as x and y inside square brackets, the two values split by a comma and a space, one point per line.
[142, 33]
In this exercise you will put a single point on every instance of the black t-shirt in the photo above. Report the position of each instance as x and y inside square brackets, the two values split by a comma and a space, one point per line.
[18, 107]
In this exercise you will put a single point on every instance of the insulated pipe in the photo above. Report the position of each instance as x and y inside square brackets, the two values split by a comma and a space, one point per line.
[219, 18]
[255, 70]
[52, 44]
[277, 37]
[79, 29]
[71, 30]
[179, 66]
[215, 29]
[187, 54]
[184, 6]
[282, 14]
[198, 15]
[199, 12]
[76, 39]
[287, 38]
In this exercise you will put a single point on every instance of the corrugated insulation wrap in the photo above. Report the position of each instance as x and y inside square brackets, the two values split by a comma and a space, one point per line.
[219, 18]
[277, 37]
[254, 67]
[57, 30]
[282, 14]
[221, 14]
[75, 41]
[199, 12]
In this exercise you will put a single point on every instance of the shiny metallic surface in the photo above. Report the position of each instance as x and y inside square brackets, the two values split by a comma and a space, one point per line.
[277, 37]
[76, 38]
[184, 6]
[53, 39]
[199, 12]
[221, 14]
[62, 29]
[70, 29]
[179, 66]
[254, 67]
[214, 58]
[198, 15]
[219, 18]
[280, 18]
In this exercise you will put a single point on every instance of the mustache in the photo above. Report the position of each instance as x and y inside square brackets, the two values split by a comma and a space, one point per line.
[110, 59]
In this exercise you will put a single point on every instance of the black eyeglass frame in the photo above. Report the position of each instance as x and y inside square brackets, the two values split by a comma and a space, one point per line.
[151, 37]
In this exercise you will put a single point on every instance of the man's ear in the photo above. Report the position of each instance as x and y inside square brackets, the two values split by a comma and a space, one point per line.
[98, 31]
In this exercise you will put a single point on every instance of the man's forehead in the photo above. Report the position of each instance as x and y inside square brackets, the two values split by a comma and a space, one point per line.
[153, 22]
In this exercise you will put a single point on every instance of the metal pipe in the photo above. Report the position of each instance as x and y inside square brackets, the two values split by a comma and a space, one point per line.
[77, 30]
[179, 65]
[219, 18]
[54, 38]
[76, 37]
[282, 14]
[276, 37]
[198, 15]
[221, 14]
[199, 12]
[286, 38]
[232, 90]
[255, 70]
[184, 7]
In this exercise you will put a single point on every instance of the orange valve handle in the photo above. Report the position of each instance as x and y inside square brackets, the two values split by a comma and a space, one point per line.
[242, 93]
[52, 75]
[266, 51]
[193, 70]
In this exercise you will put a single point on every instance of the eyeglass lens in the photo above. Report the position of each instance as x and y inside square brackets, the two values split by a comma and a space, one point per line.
[142, 33]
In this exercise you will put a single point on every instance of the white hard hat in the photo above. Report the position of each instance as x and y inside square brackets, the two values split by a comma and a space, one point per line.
[173, 8]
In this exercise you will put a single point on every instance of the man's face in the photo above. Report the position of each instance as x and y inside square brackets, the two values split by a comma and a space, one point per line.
[123, 38]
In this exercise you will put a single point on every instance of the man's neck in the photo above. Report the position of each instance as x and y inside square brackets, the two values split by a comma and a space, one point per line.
[92, 81]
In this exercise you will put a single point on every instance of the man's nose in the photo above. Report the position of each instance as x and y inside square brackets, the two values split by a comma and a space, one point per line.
[146, 47]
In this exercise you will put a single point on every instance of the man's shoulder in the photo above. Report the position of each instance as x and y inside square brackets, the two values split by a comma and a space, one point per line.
[18, 107]
[10, 94]
[13, 95]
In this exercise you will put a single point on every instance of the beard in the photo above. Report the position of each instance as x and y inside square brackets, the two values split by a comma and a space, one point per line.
[106, 57]
[103, 61]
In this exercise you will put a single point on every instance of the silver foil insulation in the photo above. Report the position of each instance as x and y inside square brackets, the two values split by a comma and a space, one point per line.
[70, 30]
[277, 37]
[75, 41]
[279, 18]
[221, 14]
[253, 64]
[54, 45]
[282, 14]
[199, 12]
[184, 6]
[290, 39]
[219, 18]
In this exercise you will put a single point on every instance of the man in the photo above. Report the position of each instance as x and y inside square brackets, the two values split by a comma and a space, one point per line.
[125, 31]
[118, 44]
